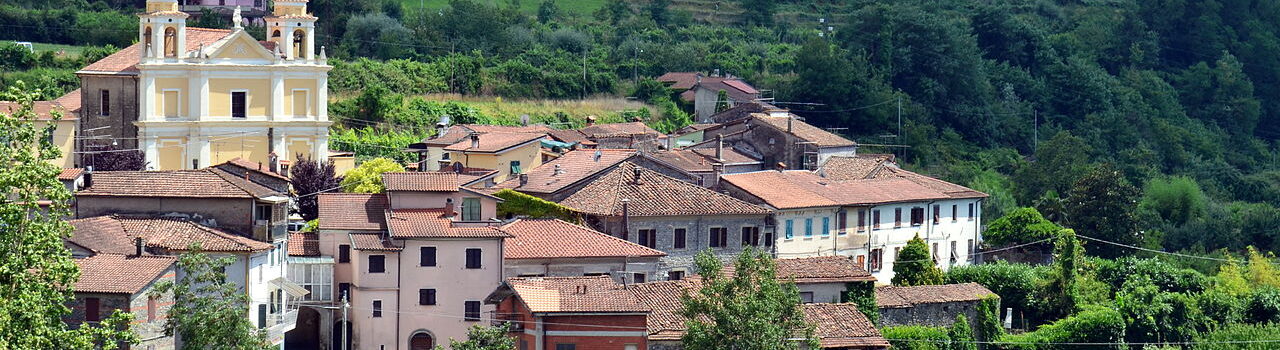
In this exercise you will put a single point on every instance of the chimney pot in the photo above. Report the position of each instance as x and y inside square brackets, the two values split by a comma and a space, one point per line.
[475, 140]
[591, 120]
[524, 178]
[137, 246]
[557, 171]
[448, 207]
[720, 148]
[782, 166]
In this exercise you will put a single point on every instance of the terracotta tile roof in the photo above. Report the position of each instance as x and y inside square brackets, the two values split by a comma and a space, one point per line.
[654, 194]
[70, 103]
[618, 130]
[203, 183]
[553, 238]
[102, 234]
[950, 189]
[680, 80]
[664, 322]
[735, 89]
[353, 211]
[802, 189]
[823, 269]
[804, 131]
[574, 167]
[892, 296]
[842, 325]
[692, 128]
[168, 233]
[741, 86]
[495, 142]
[570, 136]
[120, 274]
[484, 128]
[42, 109]
[738, 112]
[565, 294]
[304, 244]
[700, 160]
[851, 168]
[421, 181]
[69, 174]
[126, 60]
[372, 242]
[259, 168]
[432, 223]
[474, 174]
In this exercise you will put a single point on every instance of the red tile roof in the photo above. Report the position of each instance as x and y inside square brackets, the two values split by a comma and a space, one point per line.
[591, 294]
[741, 86]
[255, 167]
[168, 233]
[664, 322]
[126, 60]
[69, 174]
[892, 296]
[822, 269]
[372, 242]
[802, 189]
[618, 130]
[432, 223]
[570, 136]
[653, 194]
[70, 103]
[421, 181]
[203, 183]
[574, 166]
[120, 274]
[553, 238]
[43, 109]
[495, 142]
[680, 80]
[700, 160]
[304, 244]
[853, 168]
[842, 326]
[950, 189]
[353, 211]
[804, 131]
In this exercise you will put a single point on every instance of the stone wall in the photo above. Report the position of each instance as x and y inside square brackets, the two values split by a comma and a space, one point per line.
[118, 126]
[932, 314]
[697, 236]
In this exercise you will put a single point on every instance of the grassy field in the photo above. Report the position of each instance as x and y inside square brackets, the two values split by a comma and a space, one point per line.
[578, 7]
[69, 49]
[604, 108]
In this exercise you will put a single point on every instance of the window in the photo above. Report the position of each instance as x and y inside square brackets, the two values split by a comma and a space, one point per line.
[344, 290]
[955, 256]
[751, 236]
[262, 212]
[427, 296]
[808, 227]
[954, 212]
[648, 237]
[937, 214]
[675, 275]
[566, 347]
[875, 219]
[917, 216]
[377, 263]
[515, 167]
[862, 260]
[91, 309]
[170, 100]
[895, 253]
[427, 256]
[826, 226]
[971, 212]
[639, 278]
[877, 258]
[768, 239]
[471, 209]
[344, 253]
[790, 233]
[106, 95]
[806, 297]
[473, 258]
[472, 312]
[316, 278]
[377, 308]
[239, 100]
[678, 238]
[934, 253]
[842, 221]
[862, 220]
[151, 309]
[262, 315]
[719, 237]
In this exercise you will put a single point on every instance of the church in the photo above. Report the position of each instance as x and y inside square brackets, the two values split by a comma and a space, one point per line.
[192, 97]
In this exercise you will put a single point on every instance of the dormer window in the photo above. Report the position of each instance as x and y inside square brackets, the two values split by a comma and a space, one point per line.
[471, 209]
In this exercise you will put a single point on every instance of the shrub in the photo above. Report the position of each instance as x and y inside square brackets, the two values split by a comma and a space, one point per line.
[1095, 324]
[1166, 276]
[988, 320]
[917, 337]
[1264, 305]
[520, 204]
[1230, 337]
[1014, 283]
[1021, 225]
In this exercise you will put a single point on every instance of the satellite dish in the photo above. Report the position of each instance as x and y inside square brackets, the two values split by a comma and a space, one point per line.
[524, 119]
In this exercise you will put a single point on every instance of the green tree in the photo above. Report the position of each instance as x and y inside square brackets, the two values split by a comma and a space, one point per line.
[1059, 162]
[367, 178]
[864, 295]
[548, 11]
[1061, 291]
[988, 319]
[750, 310]
[1022, 225]
[961, 335]
[1102, 205]
[758, 12]
[659, 11]
[915, 266]
[36, 269]
[1177, 199]
[209, 311]
[480, 337]
[722, 101]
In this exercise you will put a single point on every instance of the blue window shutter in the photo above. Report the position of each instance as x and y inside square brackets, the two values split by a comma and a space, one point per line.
[808, 227]
[790, 229]
[826, 226]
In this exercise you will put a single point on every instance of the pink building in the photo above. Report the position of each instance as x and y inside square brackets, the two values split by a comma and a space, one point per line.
[416, 262]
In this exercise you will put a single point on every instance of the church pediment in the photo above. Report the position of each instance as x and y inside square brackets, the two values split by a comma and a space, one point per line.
[239, 46]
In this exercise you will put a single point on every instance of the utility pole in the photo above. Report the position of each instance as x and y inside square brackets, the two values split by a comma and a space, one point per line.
[1035, 130]
[635, 62]
[346, 325]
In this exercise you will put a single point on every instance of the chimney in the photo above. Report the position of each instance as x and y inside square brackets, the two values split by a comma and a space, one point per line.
[697, 78]
[716, 72]
[717, 170]
[636, 178]
[720, 148]
[591, 120]
[782, 166]
[475, 139]
[626, 213]
[524, 178]
[597, 155]
[448, 207]
[789, 120]
[137, 246]
[88, 176]
[557, 171]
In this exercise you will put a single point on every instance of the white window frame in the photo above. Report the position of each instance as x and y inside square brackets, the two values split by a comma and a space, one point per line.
[231, 102]
[164, 103]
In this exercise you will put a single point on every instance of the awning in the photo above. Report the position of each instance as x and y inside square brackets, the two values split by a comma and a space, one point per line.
[290, 287]
[553, 144]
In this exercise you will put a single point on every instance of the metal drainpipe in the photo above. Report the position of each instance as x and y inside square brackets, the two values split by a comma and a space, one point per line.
[542, 334]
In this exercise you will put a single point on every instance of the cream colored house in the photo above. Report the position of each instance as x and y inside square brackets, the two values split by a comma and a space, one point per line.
[209, 96]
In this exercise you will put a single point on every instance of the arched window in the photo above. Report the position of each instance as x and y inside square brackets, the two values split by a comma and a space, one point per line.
[421, 341]
[170, 42]
[275, 34]
[299, 44]
[146, 38]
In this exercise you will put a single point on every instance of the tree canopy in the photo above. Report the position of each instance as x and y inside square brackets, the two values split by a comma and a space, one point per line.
[367, 178]
[749, 310]
[914, 265]
[208, 310]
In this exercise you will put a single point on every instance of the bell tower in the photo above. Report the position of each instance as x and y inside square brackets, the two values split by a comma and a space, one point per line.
[163, 30]
[293, 30]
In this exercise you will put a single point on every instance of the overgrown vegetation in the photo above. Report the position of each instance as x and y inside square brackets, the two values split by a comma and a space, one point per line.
[516, 204]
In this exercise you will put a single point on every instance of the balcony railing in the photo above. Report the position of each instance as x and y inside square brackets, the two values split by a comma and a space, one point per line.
[516, 323]
[279, 323]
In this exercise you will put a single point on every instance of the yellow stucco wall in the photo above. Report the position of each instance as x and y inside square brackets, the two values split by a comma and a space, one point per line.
[163, 84]
[252, 148]
[172, 153]
[242, 48]
[290, 85]
[529, 155]
[64, 136]
[341, 165]
[259, 96]
[298, 145]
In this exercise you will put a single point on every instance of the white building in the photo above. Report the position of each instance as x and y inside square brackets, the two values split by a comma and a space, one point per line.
[867, 208]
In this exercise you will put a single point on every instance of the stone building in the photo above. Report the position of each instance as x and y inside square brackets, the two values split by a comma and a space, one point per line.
[119, 282]
[781, 137]
[591, 312]
[930, 305]
[564, 176]
[555, 248]
[679, 218]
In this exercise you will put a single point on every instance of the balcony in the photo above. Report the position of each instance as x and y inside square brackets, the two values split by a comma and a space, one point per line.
[280, 323]
[497, 319]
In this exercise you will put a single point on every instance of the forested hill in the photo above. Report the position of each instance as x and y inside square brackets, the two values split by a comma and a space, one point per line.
[1018, 98]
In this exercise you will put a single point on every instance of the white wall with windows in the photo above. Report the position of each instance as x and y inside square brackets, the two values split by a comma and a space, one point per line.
[808, 232]
[951, 228]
